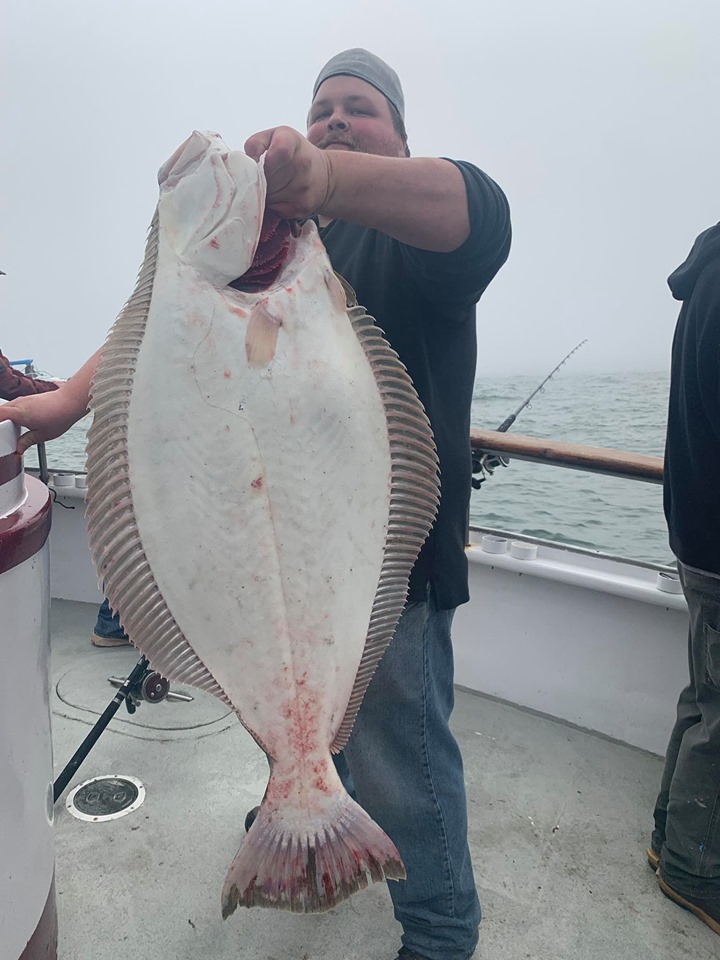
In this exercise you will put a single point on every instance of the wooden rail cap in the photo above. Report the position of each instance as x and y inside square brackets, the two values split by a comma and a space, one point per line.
[576, 456]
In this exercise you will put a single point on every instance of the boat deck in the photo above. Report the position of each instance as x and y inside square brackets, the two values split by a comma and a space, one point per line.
[559, 821]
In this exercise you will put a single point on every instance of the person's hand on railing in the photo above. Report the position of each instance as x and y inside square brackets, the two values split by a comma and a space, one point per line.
[44, 415]
[48, 415]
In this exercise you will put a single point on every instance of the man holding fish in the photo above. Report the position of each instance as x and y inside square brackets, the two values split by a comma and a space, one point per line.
[418, 240]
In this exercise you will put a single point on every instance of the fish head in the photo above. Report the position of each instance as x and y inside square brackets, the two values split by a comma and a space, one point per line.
[211, 206]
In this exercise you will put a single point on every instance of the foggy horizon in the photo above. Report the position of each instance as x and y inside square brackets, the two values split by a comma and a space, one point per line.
[598, 121]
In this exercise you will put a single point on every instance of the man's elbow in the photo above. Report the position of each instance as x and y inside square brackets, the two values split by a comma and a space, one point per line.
[454, 232]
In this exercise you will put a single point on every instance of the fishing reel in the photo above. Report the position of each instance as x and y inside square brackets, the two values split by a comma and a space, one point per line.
[148, 687]
[486, 464]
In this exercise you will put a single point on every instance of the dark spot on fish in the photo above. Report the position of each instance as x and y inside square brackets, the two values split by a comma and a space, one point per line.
[214, 244]
[311, 868]
[257, 483]
[227, 374]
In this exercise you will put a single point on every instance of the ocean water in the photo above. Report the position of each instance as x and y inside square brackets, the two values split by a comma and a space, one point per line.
[626, 411]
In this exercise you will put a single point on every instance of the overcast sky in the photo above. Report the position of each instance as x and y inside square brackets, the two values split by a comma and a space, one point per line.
[599, 118]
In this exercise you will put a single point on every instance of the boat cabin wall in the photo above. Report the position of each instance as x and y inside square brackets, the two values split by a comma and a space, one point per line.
[590, 640]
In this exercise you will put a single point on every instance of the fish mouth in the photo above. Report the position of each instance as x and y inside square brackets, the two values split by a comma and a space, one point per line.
[270, 255]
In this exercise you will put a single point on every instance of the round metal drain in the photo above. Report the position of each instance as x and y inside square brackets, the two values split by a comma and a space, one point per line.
[105, 798]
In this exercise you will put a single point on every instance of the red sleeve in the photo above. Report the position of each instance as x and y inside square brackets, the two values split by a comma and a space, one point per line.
[14, 384]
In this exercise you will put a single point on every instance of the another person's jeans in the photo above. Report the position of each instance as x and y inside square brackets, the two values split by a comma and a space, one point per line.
[408, 775]
[108, 623]
[687, 813]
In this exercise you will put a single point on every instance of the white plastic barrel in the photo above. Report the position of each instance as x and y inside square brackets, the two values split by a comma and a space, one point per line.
[28, 919]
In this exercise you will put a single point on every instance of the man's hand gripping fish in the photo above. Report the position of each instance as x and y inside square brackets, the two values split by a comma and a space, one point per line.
[261, 477]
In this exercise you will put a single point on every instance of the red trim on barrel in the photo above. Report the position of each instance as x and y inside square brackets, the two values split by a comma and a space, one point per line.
[10, 467]
[42, 945]
[24, 531]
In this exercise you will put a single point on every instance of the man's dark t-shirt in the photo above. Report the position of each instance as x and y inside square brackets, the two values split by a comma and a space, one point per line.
[425, 304]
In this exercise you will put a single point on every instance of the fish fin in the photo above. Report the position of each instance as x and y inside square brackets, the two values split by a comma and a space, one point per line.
[312, 869]
[261, 336]
[112, 527]
[414, 499]
[351, 299]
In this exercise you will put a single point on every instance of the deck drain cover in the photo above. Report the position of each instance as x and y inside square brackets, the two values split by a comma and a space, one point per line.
[105, 798]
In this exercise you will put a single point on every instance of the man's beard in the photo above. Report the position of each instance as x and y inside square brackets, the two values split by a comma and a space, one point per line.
[346, 141]
[383, 148]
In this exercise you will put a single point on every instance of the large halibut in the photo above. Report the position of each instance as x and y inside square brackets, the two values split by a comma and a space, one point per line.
[261, 477]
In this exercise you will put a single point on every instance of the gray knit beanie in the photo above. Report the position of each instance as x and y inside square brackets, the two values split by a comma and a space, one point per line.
[365, 66]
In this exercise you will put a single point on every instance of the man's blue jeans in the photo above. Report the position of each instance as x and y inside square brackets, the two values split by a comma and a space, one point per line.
[408, 775]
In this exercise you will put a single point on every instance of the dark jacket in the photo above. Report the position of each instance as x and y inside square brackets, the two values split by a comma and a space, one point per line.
[14, 384]
[692, 451]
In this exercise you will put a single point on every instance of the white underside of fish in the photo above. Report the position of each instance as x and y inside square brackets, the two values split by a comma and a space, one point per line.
[261, 477]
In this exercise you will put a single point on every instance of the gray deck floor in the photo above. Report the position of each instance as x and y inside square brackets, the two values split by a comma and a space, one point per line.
[559, 823]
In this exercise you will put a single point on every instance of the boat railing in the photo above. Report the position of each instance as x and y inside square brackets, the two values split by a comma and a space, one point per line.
[573, 456]
[558, 453]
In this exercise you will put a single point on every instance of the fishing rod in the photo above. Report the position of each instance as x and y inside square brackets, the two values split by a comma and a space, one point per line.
[142, 685]
[487, 463]
[124, 694]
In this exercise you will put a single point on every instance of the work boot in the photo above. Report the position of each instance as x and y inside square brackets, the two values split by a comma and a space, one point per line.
[653, 859]
[120, 640]
[705, 908]
[406, 954]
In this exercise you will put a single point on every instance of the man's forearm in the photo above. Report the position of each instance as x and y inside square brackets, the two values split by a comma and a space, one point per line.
[419, 201]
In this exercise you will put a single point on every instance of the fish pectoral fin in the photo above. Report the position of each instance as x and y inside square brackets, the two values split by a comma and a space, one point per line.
[261, 336]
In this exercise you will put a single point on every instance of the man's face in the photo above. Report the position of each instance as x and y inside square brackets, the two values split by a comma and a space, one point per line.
[350, 114]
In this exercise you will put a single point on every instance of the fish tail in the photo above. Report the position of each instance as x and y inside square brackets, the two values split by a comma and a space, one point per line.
[314, 867]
